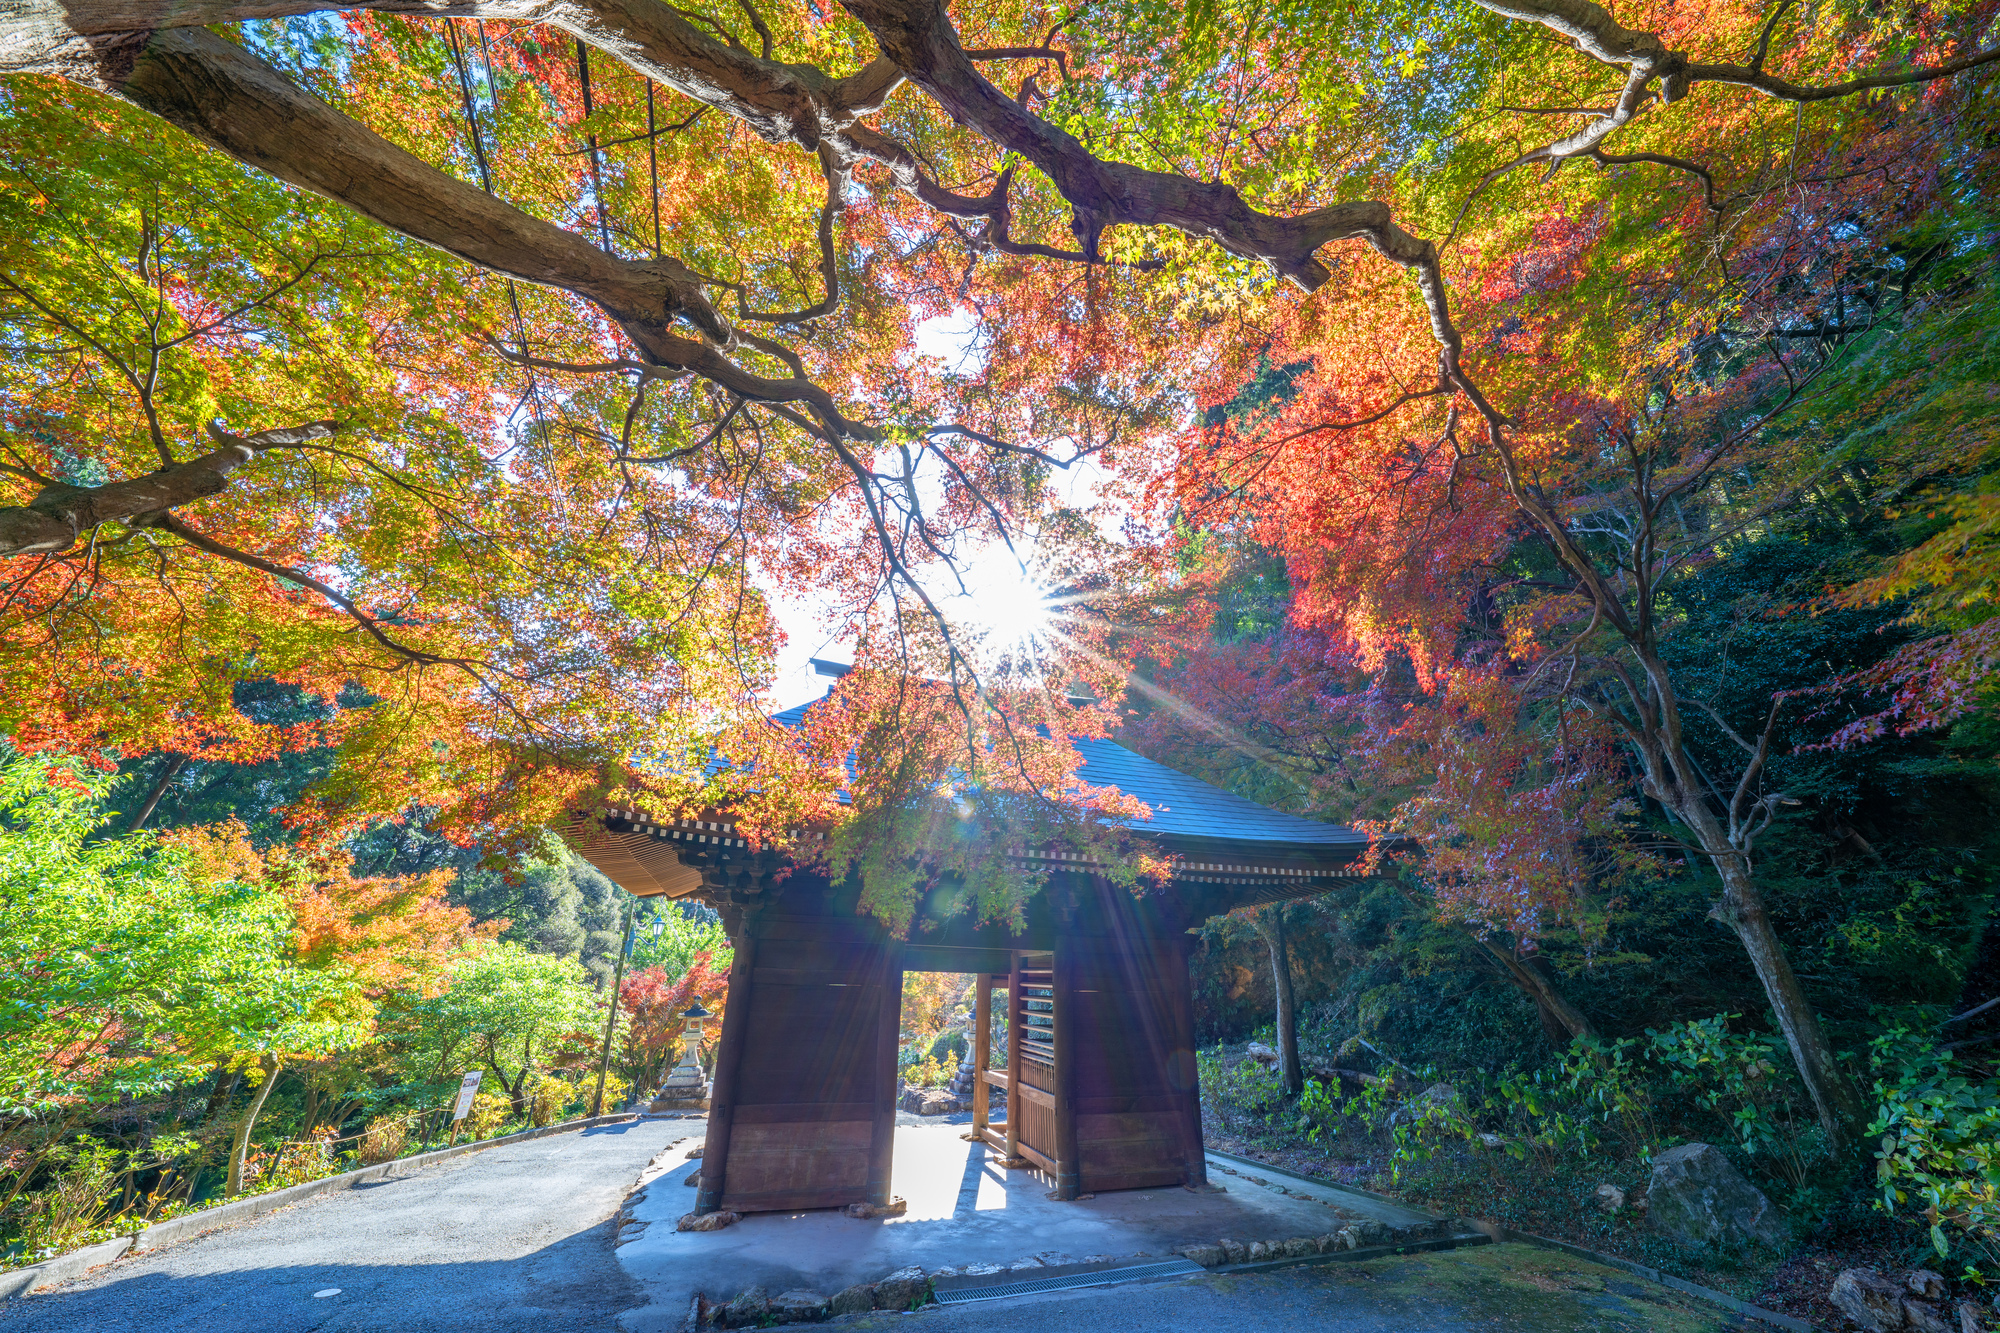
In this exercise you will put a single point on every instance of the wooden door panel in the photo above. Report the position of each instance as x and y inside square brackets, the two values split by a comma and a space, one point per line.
[794, 1165]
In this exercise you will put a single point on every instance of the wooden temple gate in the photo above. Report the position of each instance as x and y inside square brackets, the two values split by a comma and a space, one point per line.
[1100, 1078]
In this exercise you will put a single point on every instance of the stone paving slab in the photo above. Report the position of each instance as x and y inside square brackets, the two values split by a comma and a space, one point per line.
[964, 1209]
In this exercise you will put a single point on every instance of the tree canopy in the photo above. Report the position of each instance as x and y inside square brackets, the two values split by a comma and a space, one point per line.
[488, 358]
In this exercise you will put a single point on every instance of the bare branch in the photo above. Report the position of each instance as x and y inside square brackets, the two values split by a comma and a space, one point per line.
[1764, 37]
[762, 29]
[829, 263]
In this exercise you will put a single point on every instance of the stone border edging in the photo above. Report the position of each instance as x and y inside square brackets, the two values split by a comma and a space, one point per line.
[21, 1281]
[1323, 1184]
[24, 1281]
[1365, 1252]
[1494, 1231]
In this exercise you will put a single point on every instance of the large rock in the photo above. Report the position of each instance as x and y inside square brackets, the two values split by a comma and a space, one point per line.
[1208, 1256]
[747, 1310]
[1869, 1299]
[1697, 1197]
[1923, 1317]
[707, 1221]
[857, 1299]
[903, 1289]
[928, 1101]
[798, 1307]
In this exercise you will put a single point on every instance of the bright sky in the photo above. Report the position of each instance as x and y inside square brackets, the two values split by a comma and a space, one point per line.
[1000, 601]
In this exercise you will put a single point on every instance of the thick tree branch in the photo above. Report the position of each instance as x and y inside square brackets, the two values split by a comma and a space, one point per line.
[57, 517]
[230, 99]
[1651, 62]
[829, 260]
[919, 37]
[1695, 169]
[98, 41]
[1745, 76]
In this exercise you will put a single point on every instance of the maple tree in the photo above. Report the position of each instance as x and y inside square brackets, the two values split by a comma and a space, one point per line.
[1500, 819]
[653, 1002]
[505, 1010]
[1545, 273]
[139, 959]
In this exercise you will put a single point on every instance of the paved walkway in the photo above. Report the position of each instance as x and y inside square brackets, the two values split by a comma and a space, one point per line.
[516, 1238]
[963, 1209]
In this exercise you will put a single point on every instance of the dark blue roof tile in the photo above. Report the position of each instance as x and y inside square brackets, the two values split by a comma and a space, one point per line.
[1187, 807]
[1183, 806]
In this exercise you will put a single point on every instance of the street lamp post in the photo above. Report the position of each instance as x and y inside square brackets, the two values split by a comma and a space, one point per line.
[611, 1020]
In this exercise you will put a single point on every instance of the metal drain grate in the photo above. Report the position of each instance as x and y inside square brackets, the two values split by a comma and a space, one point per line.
[1093, 1277]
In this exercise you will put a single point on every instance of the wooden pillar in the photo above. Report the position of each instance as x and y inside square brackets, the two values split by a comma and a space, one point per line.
[982, 1050]
[1183, 1077]
[736, 1018]
[1069, 1166]
[1014, 1157]
[882, 1138]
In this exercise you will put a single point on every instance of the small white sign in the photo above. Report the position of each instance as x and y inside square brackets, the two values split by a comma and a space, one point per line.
[466, 1088]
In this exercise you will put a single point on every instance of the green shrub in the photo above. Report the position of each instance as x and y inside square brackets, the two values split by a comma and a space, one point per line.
[294, 1163]
[62, 1217]
[549, 1096]
[1939, 1145]
[489, 1111]
[952, 1044]
[385, 1139]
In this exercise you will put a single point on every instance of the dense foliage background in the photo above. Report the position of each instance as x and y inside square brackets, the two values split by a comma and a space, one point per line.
[1560, 443]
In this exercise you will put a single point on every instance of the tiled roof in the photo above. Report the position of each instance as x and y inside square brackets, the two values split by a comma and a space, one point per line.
[1187, 807]
[1183, 806]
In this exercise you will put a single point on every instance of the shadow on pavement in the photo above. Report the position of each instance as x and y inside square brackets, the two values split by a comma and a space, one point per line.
[572, 1285]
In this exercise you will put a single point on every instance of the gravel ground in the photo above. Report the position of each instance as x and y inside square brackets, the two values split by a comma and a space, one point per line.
[514, 1238]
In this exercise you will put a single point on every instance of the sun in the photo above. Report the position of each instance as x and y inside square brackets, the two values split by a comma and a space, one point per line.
[1003, 603]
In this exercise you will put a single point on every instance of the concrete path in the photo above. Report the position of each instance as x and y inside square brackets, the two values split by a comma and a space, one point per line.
[519, 1240]
[1487, 1289]
[963, 1210]
[516, 1238]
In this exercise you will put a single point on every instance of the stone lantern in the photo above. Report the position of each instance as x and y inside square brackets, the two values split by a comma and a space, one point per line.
[686, 1088]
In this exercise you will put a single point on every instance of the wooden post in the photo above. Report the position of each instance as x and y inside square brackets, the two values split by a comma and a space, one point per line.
[1069, 1168]
[982, 1049]
[882, 1137]
[1182, 1075]
[728, 1056]
[1014, 1157]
